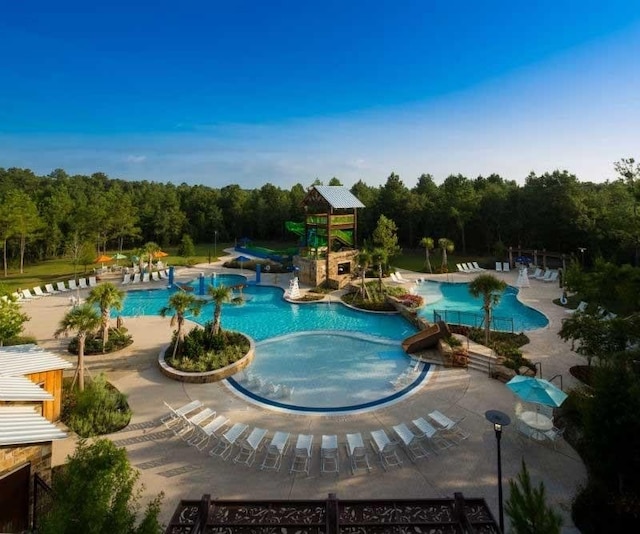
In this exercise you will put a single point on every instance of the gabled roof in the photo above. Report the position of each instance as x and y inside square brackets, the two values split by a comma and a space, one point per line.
[19, 388]
[26, 359]
[21, 424]
[338, 196]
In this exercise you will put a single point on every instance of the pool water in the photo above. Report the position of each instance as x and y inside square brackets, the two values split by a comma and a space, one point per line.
[266, 315]
[462, 308]
[328, 373]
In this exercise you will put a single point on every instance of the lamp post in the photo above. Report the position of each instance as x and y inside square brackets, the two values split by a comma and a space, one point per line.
[215, 243]
[582, 249]
[499, 420]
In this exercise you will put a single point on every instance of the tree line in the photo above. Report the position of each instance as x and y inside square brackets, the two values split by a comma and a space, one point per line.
[48, 216]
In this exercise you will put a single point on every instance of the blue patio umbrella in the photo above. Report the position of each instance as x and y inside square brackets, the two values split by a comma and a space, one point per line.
[536, 390]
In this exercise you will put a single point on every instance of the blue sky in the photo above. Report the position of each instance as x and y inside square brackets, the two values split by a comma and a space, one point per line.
[250, 92]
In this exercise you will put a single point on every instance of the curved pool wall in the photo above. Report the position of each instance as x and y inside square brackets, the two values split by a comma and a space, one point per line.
[345, 374]
[462, 308]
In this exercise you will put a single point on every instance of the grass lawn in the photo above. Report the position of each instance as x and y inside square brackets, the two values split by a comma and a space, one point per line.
[55, 270]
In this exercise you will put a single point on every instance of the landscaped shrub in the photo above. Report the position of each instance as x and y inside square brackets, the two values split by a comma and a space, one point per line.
[201, 351]
[118, 339]
[99, 409]
[411, 301]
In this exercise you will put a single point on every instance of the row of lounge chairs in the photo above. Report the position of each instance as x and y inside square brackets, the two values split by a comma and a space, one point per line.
[36, 292]
[136, 278]
[601, 312]
[398, 278]
[199, 426]
[469, 268]
[550, 275]
[503, 267]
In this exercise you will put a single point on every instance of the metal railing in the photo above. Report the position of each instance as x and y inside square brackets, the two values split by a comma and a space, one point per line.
[474, 320]
[42, 500]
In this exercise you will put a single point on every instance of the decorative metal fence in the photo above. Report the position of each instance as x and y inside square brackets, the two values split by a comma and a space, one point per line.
[42, 500]
[474, 320]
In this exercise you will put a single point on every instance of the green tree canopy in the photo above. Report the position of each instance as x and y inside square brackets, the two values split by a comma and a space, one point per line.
[12, 319]
[107, 296]
[490, 289]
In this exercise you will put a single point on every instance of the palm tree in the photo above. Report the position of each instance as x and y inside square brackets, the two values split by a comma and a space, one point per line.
[83, 320]
[446, 246]
[106, 296]
[428, 244]
[181, 303]
[364, 259]
[379, 257]
[219, 295]
[490, 289]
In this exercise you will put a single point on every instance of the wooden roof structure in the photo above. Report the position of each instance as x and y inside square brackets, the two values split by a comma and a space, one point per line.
[336, 196]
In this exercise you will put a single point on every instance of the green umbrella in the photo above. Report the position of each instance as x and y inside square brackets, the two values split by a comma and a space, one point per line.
[117, 256]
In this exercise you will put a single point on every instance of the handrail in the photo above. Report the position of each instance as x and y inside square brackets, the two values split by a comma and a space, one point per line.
[535, 364]
[556, 376]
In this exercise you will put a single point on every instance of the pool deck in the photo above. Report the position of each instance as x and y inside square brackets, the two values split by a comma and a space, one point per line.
[167, 464]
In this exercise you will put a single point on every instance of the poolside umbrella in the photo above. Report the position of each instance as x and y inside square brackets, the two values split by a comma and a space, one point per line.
[160, 254]
[102, 258]
[536, 390]
[242, 259]
[118, 256]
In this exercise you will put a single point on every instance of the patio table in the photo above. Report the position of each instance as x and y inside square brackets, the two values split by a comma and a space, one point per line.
[536, 421]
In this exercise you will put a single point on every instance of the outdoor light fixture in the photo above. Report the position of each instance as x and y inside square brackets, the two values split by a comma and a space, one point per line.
[499, 420]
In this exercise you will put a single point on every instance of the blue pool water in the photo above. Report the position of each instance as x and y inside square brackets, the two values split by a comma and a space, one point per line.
[342, 373]
[266, 315]
[462, 308]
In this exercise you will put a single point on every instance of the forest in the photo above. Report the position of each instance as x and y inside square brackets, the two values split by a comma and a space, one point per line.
[43, 217]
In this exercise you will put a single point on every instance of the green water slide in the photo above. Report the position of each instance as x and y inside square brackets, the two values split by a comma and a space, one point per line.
[317, 236]
[344, 237]
[295, 227]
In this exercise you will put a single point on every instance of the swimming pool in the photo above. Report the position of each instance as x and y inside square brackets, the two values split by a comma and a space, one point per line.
[329, 373]
[454, 301]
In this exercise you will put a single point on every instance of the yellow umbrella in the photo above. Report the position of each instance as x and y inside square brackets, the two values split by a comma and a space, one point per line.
[102, 258]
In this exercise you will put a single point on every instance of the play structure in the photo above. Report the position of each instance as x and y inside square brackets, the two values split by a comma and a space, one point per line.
[425, 339]
[328, 247]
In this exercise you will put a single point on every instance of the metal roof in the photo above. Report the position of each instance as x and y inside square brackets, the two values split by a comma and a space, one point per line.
[18, 362]
[20, 388]
[338, 196]
[21, 424]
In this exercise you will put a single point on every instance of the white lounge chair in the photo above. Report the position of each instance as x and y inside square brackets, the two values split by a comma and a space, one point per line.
[155, 276]
[191, 422]
[461, 268]
[582, 307]
[449, 427]
[470, 268]
[205, 433]
[554, 435]
[37, 291]
[477, 267]
[72, 285]
[411, 442]
[302, 454]
[357, 453]
[329, 456]
[401, 278]
[499, 266]
[163, 274]
[61, 287]
[49, 289]
[536, 273]
[93, 281]
[136, 278]
[82, 283]
[506, 267]
[175, 414]
[26, 295]
[126, 279]
[394, 278]
[228, 440]
[431, 435]
[275, 451]
[386, 449]
[250, 446]
[145, 278]
[552, 278]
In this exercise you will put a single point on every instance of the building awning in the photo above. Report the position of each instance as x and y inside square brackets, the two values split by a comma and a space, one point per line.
[20, 388]
[26, 359]
[20, 425]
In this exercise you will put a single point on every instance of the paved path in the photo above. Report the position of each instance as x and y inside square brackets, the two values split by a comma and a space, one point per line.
[169, 465]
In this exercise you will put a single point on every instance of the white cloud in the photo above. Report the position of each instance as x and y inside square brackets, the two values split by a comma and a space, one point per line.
[136, 159]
